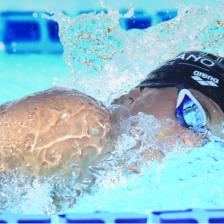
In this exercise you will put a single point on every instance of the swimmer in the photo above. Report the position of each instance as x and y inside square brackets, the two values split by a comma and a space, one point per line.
[50, 130]
[187, 89]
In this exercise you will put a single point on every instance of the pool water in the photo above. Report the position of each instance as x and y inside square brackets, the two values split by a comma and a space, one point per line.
[191, 179]
[25, 74]
[118, 60]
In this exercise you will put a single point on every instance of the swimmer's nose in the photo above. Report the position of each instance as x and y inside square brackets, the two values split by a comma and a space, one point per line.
[118, 113]
[134, 94]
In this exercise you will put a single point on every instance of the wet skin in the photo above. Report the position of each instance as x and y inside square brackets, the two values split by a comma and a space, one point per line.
[50, 130]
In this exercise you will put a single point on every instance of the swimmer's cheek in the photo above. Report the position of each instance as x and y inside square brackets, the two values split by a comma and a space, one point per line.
[217, 129]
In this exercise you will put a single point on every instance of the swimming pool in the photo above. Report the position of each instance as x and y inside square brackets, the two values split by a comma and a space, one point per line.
[25, 74]
[190, 178]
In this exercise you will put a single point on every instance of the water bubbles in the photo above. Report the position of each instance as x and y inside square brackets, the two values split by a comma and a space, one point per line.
[99, 51]
[95, 131]
[222, 127]
[14, 46]
[64, 115]
[129, 13]
[51, 194]
[35, 15]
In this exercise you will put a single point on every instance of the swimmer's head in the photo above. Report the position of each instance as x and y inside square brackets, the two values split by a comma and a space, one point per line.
[157, 94]
[161, 103]
[53, 130]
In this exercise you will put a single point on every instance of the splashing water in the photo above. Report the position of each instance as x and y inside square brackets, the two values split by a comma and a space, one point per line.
[95, 46]
[101, 54]
[192, 179]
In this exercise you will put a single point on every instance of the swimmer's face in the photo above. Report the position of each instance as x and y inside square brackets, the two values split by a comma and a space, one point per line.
[161, 103]
[47, 132]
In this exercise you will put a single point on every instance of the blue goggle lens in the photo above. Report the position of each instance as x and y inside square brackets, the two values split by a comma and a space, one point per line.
[190, 113]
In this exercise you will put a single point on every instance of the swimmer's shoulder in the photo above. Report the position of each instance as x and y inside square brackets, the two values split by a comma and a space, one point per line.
[41, 97]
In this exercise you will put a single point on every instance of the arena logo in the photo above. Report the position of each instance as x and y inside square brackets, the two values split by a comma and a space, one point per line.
[204, 61]
[205, 79]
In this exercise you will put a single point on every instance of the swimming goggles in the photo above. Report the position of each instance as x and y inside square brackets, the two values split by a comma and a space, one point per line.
[189, 112]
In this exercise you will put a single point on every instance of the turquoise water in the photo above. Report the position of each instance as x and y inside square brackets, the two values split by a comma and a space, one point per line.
[118, 60]
[191, 179]
[24, 74]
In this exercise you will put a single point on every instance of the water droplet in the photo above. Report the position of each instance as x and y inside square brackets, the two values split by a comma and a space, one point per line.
[95, 131]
